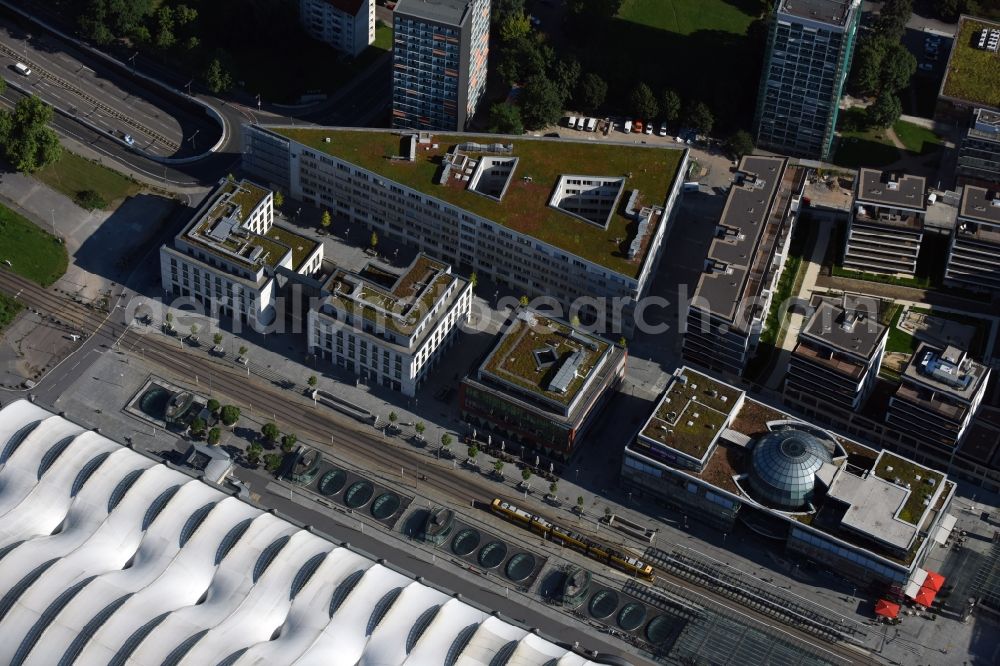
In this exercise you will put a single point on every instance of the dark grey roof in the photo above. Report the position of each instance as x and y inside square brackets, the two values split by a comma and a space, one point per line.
[440, 11]
[850, 326]
[835, 12]
[980, 204]
[888, 189]
[737, 253]
[947, 371]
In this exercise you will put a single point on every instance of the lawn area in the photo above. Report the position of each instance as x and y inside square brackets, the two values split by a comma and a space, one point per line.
[73, 174]
[973, 73]
[8, 310]
[32, 252]
[862, 147]
[699, 48]
[383, 37]
[899, 340]
[917, 139]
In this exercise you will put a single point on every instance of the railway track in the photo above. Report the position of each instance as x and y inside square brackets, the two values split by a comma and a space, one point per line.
[331, 433]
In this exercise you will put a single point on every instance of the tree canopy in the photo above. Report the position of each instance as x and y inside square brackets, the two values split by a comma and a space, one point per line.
[642, 102]
[885, 110]
[541, 104]
[698, 117]
[25, 137]
[591, 91]
[505, 119]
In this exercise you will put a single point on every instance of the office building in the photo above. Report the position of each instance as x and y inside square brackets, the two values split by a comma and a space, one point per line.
[580, 223]
[744, 263]
[974, 255]
[346, 25]
[808, 55]
[439, 54]
[979, 156]
[838, 353]
[543, 384]
[111, 557]
[389, 328]
[940, 392]
[887, 224]
[726, 460]
[230, 256]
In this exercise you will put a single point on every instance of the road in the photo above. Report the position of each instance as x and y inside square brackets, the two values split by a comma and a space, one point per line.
[68, 79]
[317, 424]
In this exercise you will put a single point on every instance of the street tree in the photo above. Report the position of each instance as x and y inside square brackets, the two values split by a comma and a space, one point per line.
[164, 19]
[446, 440]
[885, 110]
[591, 91]
[373, 241]
[474, 279]
[217, 339]
[565, 75]
[243, 351]
[213, 406]
[26, 140]
[524, 301]
[699, 117]
[230, 414]
[198, 426]
[505, 119]
[420, 428]
[325, 220]
[393, 417]
[473, 451]
[270, 432]
[279, 199]
[214, 435]
[253, 453]
[498, 466]
[866, 72]
[272, 461]
[670, 106]
[194, 331]
[217, 77]
[288, 442]
[579, 503]
[642, 102]
[312, 381]
[622, 342]
[740, 144]
[525, 474]
[541, 102]
[553, 488]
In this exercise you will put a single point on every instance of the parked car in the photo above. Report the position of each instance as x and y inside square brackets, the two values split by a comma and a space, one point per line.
[580, 123]
[22, 69]
[571, 122]
[591, 124]
[925, 66]
[649, 127]
[128, 139]
[637, 127]
[627, 126]
[663, 129]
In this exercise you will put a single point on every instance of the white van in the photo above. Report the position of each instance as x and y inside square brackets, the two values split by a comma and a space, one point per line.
[22, 69]
[571, 122]
[580, 122]
[591, 124]
[627, 127]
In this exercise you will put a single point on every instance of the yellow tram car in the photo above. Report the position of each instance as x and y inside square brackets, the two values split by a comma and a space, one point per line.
[593, 549]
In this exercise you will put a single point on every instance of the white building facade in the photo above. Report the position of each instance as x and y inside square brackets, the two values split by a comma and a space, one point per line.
[346, 25]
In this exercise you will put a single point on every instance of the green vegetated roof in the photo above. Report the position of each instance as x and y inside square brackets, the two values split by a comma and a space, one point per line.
[301, 246]
[973, 73]
[514, 359]
[675, 425]
[907, 472]
[524, 207]
[399, 307]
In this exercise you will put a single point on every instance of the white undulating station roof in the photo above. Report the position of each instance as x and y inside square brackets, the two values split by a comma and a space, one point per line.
[108, 557]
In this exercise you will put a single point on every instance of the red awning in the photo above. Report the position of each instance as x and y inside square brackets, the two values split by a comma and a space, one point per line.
[886, 608]
[925, 597]
[934, 581]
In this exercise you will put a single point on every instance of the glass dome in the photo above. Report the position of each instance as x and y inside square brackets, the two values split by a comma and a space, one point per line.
[783, 468]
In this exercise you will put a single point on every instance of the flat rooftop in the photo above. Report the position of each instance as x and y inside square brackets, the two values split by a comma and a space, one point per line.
[873, 503]
[883, 188]
[692, 413]
[398, 300]
[544, 357]
[946, 371]
[524, 207]
[218, 227]
[980, 205]
[849, 325]
[441, 11]
[985, 125]
[752, 223]
[834, 12]
[972, 74]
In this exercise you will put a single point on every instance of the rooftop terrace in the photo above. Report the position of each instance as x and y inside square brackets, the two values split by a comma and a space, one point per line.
[921, 481]
[973, 74]
[545, 357]
[398, 301]
[834, 12]
[947, 371]
[524, 206]
[692, 412]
